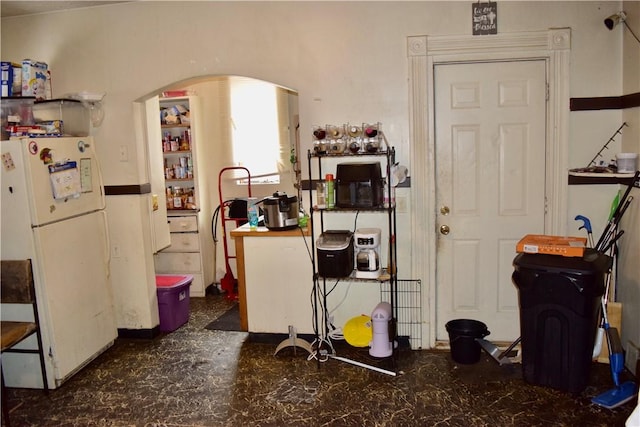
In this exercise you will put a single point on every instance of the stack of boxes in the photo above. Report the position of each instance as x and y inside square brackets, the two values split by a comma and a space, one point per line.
[29, 78]
[29, 108]
[11, 79]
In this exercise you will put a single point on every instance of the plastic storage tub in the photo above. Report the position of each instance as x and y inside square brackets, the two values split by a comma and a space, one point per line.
[73, 114]
[559, 301]
[173, 300]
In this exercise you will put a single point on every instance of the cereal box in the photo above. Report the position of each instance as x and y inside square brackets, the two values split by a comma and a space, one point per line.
[34, 78]
[11, 79]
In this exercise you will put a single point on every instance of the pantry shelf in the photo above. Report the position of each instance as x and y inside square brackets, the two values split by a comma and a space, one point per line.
[177, 125]
[191, 248]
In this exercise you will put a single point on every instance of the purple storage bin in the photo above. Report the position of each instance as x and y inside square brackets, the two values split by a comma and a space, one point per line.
[173, 300]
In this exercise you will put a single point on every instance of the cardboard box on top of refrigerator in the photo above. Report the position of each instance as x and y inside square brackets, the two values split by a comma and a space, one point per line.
[11, 78]
[34, 78]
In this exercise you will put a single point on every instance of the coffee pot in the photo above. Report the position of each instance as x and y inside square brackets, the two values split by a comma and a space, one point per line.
[367, 253]
[367, 260]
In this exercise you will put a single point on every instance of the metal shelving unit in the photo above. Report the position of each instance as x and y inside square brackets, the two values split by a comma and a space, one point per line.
[388, 278]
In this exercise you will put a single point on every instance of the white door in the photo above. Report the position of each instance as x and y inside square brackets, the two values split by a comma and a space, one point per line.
[490, 120]
[149, 111]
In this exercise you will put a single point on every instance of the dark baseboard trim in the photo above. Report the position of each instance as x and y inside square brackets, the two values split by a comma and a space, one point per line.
[139, 333]
[605, 102]
[122, 190]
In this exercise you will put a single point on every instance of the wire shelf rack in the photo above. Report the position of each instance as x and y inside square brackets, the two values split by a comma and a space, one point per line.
[409, 305]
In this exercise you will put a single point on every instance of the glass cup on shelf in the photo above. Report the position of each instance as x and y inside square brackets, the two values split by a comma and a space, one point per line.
[335, 131]
[370, 130]
[319, 140]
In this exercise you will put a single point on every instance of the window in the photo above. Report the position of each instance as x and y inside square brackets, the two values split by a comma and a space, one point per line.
[256, 129]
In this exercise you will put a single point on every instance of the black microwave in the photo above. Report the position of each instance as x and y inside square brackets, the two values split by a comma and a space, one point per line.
[359, 185]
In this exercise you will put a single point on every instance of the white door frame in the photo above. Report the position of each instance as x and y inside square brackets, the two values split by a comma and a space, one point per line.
[424, 52]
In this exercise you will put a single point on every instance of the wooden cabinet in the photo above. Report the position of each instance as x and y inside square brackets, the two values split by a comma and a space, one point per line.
[184, 255]
[271, 303]
[188, 203]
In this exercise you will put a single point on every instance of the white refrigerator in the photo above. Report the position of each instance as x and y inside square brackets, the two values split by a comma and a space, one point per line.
[53, 213]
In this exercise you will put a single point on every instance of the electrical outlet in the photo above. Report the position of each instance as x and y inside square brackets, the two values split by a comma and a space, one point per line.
[401, 204]
[632, 356]
[124, 154]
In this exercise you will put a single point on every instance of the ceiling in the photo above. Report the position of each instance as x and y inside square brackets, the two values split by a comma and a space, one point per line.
[20, 8]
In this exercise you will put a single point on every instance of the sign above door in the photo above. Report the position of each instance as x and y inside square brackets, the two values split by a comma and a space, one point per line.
[484, 18]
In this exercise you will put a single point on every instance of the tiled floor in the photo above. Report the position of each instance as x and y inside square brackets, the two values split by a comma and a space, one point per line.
[198, 377]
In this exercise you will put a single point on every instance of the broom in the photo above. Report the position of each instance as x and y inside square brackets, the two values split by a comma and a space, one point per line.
[626, 391]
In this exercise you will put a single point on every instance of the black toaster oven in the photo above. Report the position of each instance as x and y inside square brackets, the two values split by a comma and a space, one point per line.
[359, 185]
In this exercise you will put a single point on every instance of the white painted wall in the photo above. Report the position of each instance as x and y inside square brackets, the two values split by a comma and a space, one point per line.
[347, 60]
[629, 276]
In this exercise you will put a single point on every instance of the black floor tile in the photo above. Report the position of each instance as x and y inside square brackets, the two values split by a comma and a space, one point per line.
[199, 377]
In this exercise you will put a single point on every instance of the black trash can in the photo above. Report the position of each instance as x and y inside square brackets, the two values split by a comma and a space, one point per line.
[559, 300]
[462, 339]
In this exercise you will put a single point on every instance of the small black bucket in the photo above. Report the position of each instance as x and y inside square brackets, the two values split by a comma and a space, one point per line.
[462, 339]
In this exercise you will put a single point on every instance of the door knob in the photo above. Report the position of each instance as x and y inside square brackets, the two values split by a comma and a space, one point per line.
[444, 210]
[444, 229]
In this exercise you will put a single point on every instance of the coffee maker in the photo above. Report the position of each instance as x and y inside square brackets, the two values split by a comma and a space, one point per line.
[366, 242]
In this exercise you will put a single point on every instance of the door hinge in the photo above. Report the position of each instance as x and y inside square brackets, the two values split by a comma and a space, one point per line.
[546, 205]
[547, 94]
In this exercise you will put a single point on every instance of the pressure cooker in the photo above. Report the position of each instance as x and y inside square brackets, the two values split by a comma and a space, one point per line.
[280, 211]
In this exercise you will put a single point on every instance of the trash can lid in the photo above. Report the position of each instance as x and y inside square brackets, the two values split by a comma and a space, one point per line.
[591, 263]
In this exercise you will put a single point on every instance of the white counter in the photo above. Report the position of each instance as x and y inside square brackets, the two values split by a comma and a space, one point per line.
[274, 279]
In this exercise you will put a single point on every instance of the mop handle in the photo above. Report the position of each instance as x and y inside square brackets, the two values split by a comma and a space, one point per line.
[613, 240]
[511, 347]
[604, 312]
[616, 213]
[616, 220]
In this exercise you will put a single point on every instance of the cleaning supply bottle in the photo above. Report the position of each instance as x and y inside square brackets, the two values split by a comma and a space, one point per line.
[329, 187]
[252, 213]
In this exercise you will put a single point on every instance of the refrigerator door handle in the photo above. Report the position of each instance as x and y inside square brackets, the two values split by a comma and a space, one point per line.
[103, 197]
[107, 242]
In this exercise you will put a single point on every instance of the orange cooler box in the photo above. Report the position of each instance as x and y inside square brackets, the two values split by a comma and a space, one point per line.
[173, 300]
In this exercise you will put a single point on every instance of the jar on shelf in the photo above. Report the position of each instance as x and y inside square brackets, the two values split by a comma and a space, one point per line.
[175, 143]
[319, 141]
[355, 145]
[191, 199]
[354, 131]
[169, 196]
[177, 197]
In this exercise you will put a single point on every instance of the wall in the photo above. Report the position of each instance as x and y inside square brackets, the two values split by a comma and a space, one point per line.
[347, 60]
[629, 274]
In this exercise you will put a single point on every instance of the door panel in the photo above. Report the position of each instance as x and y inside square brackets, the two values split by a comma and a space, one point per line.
[79, 316]
[490, 166]
[148, 113]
